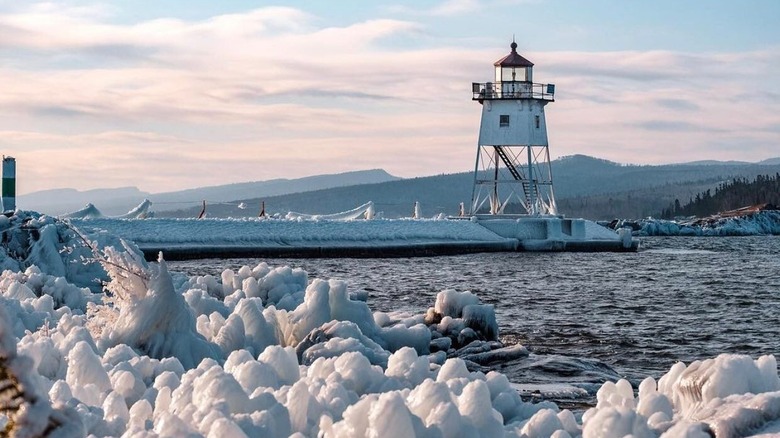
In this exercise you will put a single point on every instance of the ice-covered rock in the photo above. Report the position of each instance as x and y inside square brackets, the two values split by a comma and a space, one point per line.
[766, 222]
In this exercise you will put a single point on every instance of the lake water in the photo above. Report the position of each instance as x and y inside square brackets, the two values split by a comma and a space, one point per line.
[589, 317]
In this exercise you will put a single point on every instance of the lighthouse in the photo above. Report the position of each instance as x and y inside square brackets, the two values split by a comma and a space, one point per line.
[512, 173]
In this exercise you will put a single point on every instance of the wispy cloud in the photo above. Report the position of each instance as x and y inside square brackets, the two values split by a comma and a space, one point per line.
[455, 7]
[675, 126]
[449, 8]
[678, 104]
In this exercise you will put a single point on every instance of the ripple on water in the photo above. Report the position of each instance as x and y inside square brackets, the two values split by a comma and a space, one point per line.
[589, 317]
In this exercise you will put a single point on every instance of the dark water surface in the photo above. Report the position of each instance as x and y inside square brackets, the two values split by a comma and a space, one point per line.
[588, 317]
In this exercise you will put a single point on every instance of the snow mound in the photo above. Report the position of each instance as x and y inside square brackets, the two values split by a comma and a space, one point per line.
[26, 412]
[730, 395]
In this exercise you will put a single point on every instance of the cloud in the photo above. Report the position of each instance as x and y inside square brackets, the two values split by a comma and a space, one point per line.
[455, 7]
[674, 126]
[678, 104]
[450, 8]
[272, 92]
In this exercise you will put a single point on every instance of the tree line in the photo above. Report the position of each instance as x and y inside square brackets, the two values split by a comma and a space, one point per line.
[729, 195]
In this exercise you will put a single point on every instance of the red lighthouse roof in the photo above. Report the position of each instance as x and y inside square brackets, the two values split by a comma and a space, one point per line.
[513, 59]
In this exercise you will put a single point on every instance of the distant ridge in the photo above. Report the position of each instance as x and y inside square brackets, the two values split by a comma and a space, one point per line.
[119, 200]
[580, 158]
[584, 186]
[274, 187]
[716, 163]
[392, 199]
[767, 162]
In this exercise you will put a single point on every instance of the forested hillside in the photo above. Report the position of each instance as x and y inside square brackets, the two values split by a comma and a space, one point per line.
[584, 187]
[730, 195]
[632, 204]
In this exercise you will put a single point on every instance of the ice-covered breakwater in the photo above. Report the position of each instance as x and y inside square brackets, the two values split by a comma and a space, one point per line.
[203, 238]
[765, 222]
[194, 238]
[267, 351]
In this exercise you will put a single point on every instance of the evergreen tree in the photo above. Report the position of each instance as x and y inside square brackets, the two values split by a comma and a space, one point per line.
[730, 195]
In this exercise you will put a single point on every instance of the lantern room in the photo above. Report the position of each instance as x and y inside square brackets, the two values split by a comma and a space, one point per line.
[514, 68]
[513, 80]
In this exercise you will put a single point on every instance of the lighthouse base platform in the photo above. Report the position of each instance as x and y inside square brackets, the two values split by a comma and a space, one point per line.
[557, 233]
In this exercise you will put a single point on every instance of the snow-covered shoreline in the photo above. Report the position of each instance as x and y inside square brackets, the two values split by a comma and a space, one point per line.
[267, 351]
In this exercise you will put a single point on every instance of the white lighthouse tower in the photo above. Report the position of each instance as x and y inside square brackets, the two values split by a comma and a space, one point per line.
[512, 173]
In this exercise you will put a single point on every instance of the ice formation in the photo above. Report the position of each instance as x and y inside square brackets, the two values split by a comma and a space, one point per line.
[765, 222]
[51, 246]
[88, 212]
[141, 211]
[365, 211]
[266, 351]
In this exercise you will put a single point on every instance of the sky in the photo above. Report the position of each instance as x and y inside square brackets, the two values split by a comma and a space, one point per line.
[166, 95]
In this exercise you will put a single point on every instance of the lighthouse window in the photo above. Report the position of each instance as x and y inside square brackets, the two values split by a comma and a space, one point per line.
[537, 122]
[503, 120]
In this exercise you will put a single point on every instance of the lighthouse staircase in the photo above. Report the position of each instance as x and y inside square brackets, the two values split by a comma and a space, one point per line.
[529, 189]
[531, 192]
[508, 162]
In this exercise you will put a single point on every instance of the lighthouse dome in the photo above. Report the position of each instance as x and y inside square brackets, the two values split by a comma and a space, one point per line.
[513, 67]
[513, 59]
